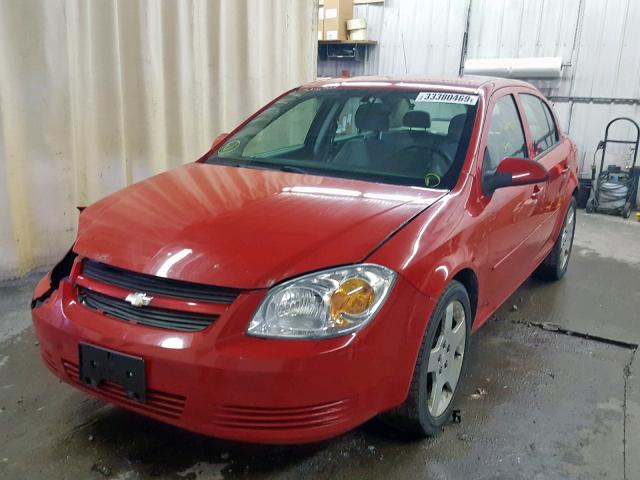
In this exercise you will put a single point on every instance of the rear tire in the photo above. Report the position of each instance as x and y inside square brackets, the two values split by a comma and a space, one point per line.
[555, 265]
[439, 368]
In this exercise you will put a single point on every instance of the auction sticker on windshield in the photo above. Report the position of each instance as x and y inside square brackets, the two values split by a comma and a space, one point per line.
[447, 97]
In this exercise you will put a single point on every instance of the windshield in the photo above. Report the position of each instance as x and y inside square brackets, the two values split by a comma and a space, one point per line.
[387, 136]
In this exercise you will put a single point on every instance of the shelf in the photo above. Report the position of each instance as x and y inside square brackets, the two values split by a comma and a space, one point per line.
[356, 2]
[343, 49]
[347, 42]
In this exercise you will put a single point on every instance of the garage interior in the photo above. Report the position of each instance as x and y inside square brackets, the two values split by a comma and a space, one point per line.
[95, 96]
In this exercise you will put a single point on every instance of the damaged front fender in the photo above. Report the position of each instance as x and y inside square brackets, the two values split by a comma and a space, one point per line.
[51, 281]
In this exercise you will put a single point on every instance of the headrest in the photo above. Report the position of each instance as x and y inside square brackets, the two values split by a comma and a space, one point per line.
[416, 119]
[372, 117]
[456, 125]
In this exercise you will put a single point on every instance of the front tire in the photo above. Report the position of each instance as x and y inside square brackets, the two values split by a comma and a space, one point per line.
[555, 265]
[439, 368]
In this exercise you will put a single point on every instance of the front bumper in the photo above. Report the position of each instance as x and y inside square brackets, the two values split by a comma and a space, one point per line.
[223, 383]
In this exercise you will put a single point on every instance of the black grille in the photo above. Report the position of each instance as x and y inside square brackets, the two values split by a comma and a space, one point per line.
[151, 316]
[139, 282]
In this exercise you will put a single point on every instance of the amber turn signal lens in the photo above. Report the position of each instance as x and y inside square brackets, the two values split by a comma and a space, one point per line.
[354, 297]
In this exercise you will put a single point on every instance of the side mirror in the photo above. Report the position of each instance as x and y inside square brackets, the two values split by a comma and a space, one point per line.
[218, 140]
[513, 172]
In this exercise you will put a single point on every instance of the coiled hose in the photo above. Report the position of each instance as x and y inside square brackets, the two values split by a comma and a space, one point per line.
[613, 190]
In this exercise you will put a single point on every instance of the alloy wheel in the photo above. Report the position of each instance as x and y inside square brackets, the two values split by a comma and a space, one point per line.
[567, 238]
[445, 358]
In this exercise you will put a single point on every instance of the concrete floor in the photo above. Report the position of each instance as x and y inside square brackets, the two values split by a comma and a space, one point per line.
[557, 405]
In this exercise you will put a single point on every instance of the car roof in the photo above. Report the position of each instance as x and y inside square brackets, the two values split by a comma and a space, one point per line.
[465, 83]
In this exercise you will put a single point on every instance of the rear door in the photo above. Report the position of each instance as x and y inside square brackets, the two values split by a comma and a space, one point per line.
[548, 149]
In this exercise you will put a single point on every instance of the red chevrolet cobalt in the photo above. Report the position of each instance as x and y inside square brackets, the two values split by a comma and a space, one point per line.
[324, 263]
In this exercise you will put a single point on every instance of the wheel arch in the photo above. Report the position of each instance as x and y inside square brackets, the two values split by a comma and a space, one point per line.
[434, 285]
[469, 280]
[459, 267]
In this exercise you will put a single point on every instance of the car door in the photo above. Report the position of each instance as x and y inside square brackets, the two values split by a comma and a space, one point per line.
[548, 149]
[511, 214]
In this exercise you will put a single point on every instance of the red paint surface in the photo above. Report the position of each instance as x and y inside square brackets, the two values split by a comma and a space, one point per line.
[250, 229]
[241, 227]
[524, 171]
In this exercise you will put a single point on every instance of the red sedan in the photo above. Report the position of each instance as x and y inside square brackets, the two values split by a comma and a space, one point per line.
[324, 263]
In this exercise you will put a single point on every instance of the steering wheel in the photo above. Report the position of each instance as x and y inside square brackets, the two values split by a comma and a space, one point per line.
[413, 152]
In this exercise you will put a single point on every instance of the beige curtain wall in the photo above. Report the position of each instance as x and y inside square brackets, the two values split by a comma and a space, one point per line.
[97, 94]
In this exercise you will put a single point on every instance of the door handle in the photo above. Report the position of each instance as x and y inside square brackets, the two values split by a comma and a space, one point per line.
[536, 191]
[565, 169]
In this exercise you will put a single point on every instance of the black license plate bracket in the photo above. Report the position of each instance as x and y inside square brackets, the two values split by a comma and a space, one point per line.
[98, 365]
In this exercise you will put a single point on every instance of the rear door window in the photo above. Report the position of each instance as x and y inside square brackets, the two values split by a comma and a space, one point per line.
[541, 123]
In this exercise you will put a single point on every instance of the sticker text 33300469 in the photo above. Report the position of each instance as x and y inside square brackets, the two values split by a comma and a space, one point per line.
[447, 97]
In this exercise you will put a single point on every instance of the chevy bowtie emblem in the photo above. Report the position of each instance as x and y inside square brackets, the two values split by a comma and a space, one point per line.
[138, 299]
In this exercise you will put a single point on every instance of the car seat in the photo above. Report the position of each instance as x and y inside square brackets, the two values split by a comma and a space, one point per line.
[370, 150]
[449, 145]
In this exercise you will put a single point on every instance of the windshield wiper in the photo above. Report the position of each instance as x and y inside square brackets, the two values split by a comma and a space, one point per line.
[274, 166]
[262, 165]
[292, 169]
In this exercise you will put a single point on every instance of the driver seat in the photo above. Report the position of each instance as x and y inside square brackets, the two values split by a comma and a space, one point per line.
[369, 151]
[454, 133]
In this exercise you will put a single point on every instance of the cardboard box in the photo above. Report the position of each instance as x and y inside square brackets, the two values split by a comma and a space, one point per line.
[358, 35]
[356, 24]
[336, 14]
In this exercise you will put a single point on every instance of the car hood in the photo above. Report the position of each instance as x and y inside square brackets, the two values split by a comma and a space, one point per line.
[242, 227]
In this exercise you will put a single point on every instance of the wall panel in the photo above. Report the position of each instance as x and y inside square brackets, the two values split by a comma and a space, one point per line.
[97, 95]
[427, 32]
[598, 40]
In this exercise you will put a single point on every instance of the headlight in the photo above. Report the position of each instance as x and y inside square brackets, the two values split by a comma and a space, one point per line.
[323, 304]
